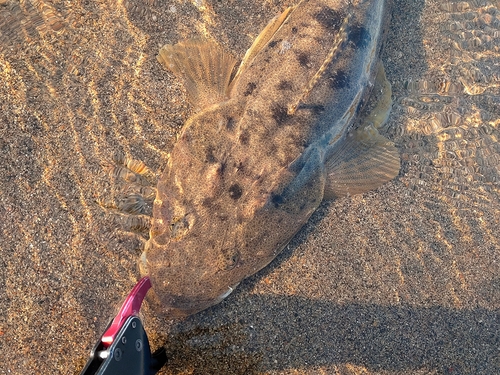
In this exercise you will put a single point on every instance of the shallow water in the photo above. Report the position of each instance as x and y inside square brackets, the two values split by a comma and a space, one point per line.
[402, 280]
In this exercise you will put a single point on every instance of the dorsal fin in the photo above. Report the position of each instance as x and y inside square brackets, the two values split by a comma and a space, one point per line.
[203, 66]
[261, 41]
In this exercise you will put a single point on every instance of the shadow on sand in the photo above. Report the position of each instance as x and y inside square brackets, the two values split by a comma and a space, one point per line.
[278, 333]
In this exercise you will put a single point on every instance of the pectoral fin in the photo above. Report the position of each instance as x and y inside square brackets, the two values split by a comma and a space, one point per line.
[363, 160]
[360, 162]
[204, 67]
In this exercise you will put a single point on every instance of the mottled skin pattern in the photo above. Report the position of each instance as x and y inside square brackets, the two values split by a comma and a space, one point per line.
[247, 173]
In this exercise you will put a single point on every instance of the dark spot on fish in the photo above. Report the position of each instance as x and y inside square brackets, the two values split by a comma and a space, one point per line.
[244, 138]
[285, 85]
[294, 30]
[273, 43]
[230, 123]
[276, 200]
[280, 113]
[221, 169]
[359, 36]
[209, 155]
[314, 108]
[329, 18]
[235, 191]
[303, 60]
[239, 167]
[250, 87]
[339, 80]
[207, 202]
[317, 108]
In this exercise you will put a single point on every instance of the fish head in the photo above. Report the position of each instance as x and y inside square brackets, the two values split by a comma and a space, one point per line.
[186, 276]
[192, 258]
[193, 255]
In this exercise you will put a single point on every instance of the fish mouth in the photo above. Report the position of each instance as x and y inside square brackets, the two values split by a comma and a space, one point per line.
[183, 306]
[192, 306]
[226, 293]
[179, 305]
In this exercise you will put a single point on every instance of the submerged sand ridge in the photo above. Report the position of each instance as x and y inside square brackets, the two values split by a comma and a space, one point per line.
[403, 280]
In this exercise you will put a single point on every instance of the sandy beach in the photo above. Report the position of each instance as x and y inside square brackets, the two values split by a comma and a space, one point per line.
[401, 280]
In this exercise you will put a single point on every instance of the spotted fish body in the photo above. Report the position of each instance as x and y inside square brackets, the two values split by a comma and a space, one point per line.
[267, 146]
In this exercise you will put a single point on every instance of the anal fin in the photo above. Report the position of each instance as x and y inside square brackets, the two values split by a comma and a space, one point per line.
[203, 66]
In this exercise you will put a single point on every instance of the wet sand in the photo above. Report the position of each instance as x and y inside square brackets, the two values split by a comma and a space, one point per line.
[401, 280]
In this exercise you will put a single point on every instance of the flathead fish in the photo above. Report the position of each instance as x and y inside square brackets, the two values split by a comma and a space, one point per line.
[269, 143]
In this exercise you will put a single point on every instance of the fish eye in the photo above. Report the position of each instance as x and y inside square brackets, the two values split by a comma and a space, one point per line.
[230, 259]
[179, 227]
